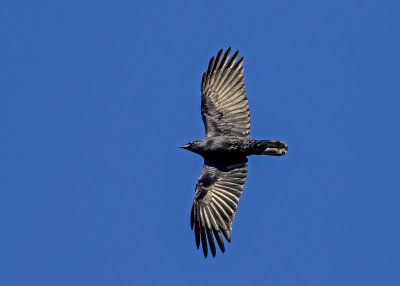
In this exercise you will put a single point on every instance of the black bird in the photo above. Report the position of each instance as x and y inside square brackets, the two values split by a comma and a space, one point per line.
[225, 112]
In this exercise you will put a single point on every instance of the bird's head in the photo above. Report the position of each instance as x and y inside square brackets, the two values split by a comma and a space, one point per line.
[191, 146]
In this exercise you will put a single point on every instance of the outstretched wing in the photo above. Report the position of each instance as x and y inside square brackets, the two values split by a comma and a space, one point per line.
[224, 105]
[217, 195]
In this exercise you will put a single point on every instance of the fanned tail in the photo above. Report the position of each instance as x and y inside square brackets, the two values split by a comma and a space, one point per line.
[271, 148]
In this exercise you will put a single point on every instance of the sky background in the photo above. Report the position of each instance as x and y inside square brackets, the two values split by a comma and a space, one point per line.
[95, 97]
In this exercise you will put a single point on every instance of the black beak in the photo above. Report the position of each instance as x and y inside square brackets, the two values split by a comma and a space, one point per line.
[184, 146]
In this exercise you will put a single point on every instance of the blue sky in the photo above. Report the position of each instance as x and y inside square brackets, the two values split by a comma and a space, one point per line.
[95, 97]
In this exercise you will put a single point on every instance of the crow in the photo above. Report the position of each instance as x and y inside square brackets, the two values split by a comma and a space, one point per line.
[225, 113]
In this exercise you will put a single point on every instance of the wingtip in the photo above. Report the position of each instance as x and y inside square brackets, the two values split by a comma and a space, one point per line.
[192, 218]
[235, 54]
[203, 240]
[219, 240]
[197, 234]
[211, 241]
[239, 63]
[210, 65]
[232, 59]
[227, 235]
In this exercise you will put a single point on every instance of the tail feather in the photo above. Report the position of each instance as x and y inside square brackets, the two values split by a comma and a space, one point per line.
[272, 147]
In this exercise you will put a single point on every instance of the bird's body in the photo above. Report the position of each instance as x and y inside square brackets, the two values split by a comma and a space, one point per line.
[225, 112]
[219, 148]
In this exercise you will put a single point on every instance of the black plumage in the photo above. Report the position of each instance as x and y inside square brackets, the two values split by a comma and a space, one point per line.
[225, 112]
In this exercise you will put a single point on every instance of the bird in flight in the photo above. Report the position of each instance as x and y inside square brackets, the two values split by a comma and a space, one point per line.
[225, 113]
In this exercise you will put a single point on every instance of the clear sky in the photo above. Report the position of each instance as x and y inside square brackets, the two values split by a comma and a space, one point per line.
[95, 97]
